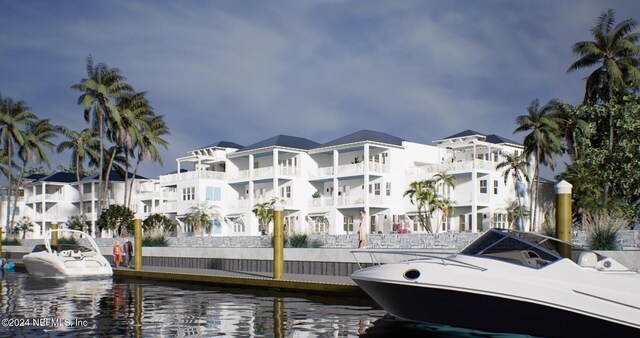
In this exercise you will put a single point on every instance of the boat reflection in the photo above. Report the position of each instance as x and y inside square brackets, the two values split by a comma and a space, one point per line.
[142, 308]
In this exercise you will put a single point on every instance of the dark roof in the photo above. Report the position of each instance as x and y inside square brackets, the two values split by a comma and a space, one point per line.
[283, 141]
[493, 138]
[61, 176]
[35, 177]
[223, 144]
[467, 132]
[114, 175]
[363, 136]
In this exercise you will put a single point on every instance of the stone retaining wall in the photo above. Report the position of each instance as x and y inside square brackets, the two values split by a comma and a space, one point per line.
[628, 239]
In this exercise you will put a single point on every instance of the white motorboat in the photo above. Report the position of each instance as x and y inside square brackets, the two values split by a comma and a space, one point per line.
[67, 260]
[509, 281]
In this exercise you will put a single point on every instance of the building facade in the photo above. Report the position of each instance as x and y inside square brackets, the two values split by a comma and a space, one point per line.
[322, 186]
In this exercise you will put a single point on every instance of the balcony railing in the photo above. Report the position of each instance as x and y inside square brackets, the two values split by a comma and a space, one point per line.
[450, 167]
[321, 172]
[238, 175]
[347, 169]
[320, 202]
[169, 206]
[288, 171]
[238, 204]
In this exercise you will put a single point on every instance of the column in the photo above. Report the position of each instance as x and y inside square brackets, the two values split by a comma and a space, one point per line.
[366, 184]
[336, 160]
[276, 173]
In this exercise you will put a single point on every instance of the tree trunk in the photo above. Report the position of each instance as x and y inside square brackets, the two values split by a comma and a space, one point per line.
[100, 160]
[106, 184]
[15, 200]
[10, 170]
[80, 189]
[534, 198]
[135, 172]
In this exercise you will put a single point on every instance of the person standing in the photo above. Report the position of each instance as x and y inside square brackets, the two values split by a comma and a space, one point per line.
[362, 230]
[117, 253]
[128, 249]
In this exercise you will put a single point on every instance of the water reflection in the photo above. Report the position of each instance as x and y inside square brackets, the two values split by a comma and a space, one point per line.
[135, 308]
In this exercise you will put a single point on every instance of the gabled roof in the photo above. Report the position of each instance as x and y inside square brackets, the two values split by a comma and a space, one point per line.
[493, 138]
[364, 136]
[61, 176]
[467, 132]
[114, 175]
[35, 177]
[284, 141]
[223, 144]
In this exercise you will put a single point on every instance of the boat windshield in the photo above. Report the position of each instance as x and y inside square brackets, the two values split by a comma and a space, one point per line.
[528, 249]
[62, 247]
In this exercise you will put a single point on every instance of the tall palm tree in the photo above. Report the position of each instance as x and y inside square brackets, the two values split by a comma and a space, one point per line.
[13, 117]
[572, 127]
[423, 195]
[37, 138]
[100, 90]
[200, 215]
[151, 134]
[542, 142]
[515, 166]
[616, 52]
[81, 145]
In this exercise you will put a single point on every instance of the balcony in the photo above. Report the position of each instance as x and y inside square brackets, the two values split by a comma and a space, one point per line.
[169, 206]
[288, 171]
[321, 202]
[460, 166]
[238, 204]
[321, 172]
[351, 169]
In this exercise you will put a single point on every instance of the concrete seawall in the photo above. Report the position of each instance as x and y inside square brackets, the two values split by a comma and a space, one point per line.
[313, 261]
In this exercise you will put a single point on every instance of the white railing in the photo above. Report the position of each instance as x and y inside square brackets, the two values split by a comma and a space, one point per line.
[376, 200]
[238, 175]
[263, 172]
[483, 198]
[213, 175]
[321, 202]
[321, 172]
[169, 195]
[288, 171]
[449, 167]
[169, 206]
[356, 168]
[167, 179]
[378, 167]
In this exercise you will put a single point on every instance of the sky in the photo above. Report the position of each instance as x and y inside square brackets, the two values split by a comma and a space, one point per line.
[243, 71]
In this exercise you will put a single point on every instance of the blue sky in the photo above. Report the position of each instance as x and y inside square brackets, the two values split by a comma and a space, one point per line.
[244, 71]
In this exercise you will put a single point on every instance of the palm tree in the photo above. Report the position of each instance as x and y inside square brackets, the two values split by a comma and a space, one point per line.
[135, 111]
[100, 89]
[200, 215]
[81, 146]
[37, 137]
[151, 134]
[542, 143]
[423, 195]
[264, 213]
[515, 165]
[443, 181]
[13, 117]
[572, 127]
[616, 52]
[516, 212]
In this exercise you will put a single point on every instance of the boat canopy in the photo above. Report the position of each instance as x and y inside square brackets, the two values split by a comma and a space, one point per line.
[517, 247]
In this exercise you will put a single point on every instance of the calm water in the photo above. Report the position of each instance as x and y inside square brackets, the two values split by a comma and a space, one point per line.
[44, 307]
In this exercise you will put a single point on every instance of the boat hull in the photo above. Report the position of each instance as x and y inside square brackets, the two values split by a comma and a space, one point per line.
[460, 308]
[44, 264]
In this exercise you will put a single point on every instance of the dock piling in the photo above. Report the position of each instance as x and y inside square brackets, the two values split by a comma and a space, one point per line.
[278, 241]
[563, 216]
[137, 247]
[54, 234]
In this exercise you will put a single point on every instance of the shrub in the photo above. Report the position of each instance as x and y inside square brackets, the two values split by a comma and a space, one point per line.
[11, 241]
[299, 241]
[156, 237]
[603, 230]
[68, 240]
[155, 241]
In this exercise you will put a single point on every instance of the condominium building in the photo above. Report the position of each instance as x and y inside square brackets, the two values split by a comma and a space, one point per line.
[322, 186]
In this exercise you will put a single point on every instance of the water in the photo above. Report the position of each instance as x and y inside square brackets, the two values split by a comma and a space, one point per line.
[44, 307]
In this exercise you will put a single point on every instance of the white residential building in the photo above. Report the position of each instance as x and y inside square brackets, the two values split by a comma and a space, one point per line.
[322, 186]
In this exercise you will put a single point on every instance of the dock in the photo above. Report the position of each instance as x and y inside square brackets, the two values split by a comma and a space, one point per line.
[300, 283]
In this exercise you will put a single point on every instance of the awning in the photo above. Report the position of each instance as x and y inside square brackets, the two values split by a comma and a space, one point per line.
[317, 214]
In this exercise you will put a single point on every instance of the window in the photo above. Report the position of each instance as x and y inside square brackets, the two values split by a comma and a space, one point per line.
[500, 221]
[238, 224]
[189, 194]
[213, 194]
[444, 223]
[388, 188]
[495, 187]
[374, 188]
[285, 191]
[348, 223]
[495, 157]
[483, 186]
[462, 222]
